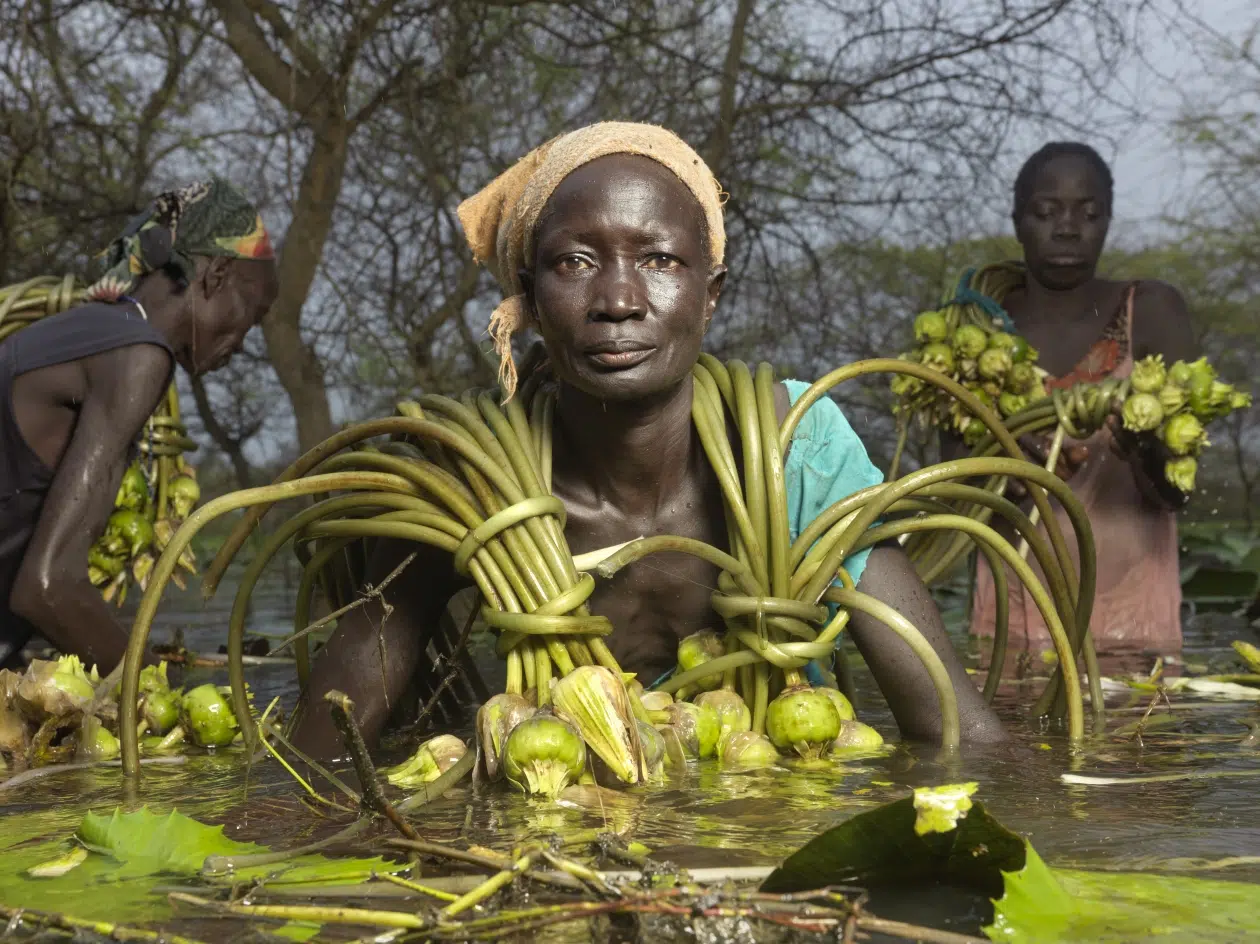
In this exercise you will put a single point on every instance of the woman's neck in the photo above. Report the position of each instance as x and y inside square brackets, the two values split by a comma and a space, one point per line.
[1044, 304]
[632, 455]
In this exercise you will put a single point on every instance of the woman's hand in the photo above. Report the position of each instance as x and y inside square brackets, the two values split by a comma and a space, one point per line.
[1146, 455]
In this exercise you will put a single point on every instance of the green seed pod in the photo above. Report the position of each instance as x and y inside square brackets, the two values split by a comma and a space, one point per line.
[994, 364]
[653, 752]
[160, 709]
[938, 356]
[856, 736]
[733, 715]
[698, 728]
[1021, 378]
[656, 701]
[904, 386]
[184, 493]
[1142, 412]
[208, 717]
[1184, 434]
[543, 755]
[432, 759]
[54, 688]
[1181, 472]
[745, 750]
[595, 701]
[1023, 353]
[1148, 374]
[843, 707]
[96, 742]
[1179, 374]
[1239, 400]
[697, 649]
[931, 326]
[128, 532]
[1002, 341]
[1011, 403]
[104, 563]
[153, 678]
[1172, 398]
[974, 431]
[804, 720]
[970, 341]
[495, 721]
[133, 491]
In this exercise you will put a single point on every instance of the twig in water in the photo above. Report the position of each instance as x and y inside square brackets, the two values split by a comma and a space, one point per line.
[453, 674]
[37, 772]
[117, 932]
[488, 887]
[367, 594]
[1089, 781]
[373, 797]
[311, 763]
[416, 887]
[312, 914]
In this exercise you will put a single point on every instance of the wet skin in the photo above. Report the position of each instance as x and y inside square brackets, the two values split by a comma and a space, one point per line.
[81, 418]
[621, 291]
[1065, 307]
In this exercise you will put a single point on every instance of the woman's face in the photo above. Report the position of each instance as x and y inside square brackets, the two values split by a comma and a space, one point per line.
[1064, 225]
[228, 297]
[622, 288]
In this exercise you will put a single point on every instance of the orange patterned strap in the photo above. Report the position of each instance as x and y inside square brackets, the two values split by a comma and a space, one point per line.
[1105, 354]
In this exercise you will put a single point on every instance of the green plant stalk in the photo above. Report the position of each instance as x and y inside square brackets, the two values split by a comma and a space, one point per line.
[169, 559]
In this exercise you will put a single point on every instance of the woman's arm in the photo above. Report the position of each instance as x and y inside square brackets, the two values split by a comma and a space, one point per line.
[52, 591]
[376, 648]
[891, 578]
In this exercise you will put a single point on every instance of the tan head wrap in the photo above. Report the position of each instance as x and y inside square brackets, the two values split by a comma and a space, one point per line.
[499, 221]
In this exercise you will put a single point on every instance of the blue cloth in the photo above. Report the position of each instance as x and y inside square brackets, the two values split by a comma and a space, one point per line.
[826, 463]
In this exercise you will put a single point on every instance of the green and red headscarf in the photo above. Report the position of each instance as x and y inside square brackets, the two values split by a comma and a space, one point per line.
[207, 218]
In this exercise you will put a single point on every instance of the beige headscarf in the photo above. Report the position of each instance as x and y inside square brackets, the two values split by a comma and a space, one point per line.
[499, 221]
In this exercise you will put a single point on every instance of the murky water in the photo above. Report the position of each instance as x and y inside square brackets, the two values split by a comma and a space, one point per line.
[725, 819]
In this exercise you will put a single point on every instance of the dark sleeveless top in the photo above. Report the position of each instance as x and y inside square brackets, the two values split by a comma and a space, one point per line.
[24, 479]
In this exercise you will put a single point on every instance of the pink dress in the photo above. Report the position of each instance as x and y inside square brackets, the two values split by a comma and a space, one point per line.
[1138, 603]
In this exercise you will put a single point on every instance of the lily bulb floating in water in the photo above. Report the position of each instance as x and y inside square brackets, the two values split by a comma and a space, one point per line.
[595, 701]
[803, 719]
[697, 726]
[495, 721]
[543, 755]
[697, 649]
[432, 759]
[745, 750]
[209, 717]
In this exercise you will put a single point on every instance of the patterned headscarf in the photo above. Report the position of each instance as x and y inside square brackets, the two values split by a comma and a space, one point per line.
[207, 218]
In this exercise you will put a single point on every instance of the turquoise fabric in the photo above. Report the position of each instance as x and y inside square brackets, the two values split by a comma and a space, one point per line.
[826, 463]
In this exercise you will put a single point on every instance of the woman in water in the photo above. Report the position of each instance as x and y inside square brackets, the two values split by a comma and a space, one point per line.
[609, 241]
[1086, 329]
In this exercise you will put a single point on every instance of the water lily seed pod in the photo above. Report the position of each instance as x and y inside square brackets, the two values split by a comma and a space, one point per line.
[698, 727]
[595, 701]
[184, 493]
[495, 721]
[854, 735]
[1021, 378]
[1181, 472]
[543, 755]
[153, 678]
[1184, 434]
[970, 341]
[939, 356]
[208, 717]
[1239, 400]
[1011, 403]
[1148, 374]
[96, 742]
[653, 752]
[803, 719]
[1142, 412]
[160, 710]
[1023, 352]
[1003, 341]
[432, 759]
[54, 688]
[656, 701]
[974, 431]
[745, 750]
[697, 649]
[843, 707]
[994, 364]
[1179, 374]
[133, 491]
[931, 326]
[732, 713]
[1171, 398]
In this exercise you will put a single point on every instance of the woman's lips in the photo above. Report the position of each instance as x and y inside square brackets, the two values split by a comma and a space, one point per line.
[620, 360]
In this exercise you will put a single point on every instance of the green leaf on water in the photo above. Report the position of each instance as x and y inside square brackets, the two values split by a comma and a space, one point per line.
[1033, 903]
[151, 843]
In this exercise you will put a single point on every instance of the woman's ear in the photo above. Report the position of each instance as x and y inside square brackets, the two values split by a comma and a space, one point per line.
[717, 278]
[215, 275]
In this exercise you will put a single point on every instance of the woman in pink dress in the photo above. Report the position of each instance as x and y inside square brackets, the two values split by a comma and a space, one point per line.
[1087, 328]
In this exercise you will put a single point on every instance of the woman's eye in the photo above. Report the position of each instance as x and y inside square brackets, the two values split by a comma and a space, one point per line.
[661, 260]
[572, 262]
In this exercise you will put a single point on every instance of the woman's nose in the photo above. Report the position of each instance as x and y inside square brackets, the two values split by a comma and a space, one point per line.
[620, 293]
